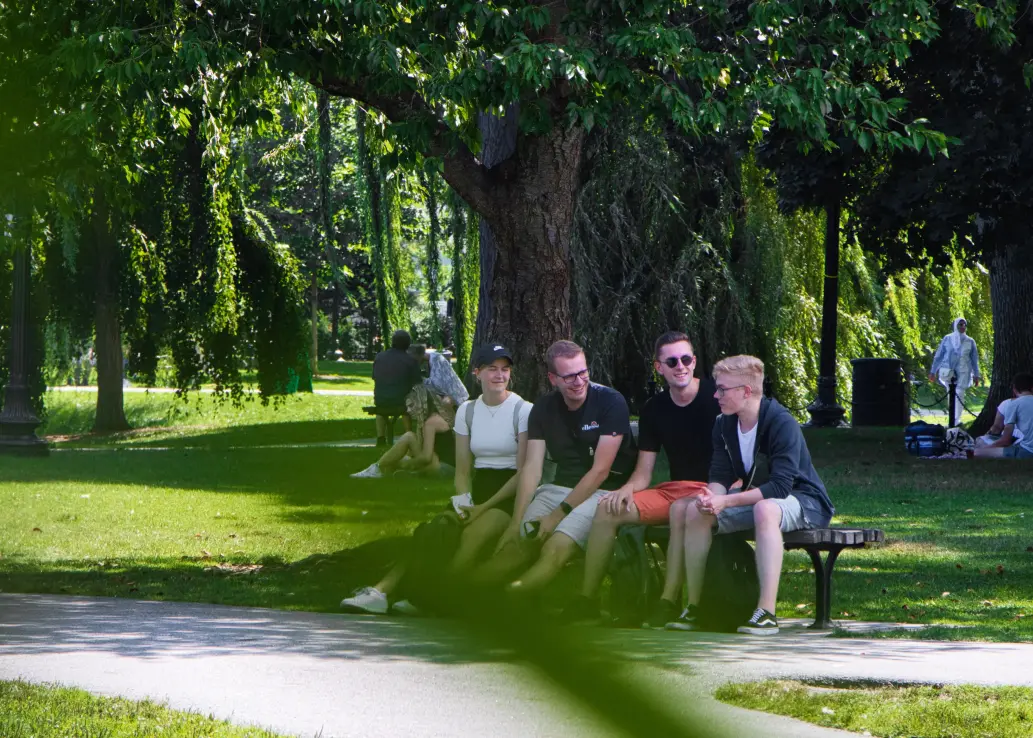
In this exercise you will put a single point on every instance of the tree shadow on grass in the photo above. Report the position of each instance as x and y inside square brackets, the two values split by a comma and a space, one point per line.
[302, 432]
[300, 477]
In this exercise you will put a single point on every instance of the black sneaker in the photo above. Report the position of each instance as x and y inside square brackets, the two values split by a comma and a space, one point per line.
[661, 613]
[685, 621]
[580, 610]
[762, 623]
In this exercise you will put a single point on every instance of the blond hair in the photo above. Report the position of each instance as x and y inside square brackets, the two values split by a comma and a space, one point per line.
[561, 350]
[750, 368]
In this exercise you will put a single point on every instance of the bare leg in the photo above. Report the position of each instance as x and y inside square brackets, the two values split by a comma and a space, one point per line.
[989, 452]
[392, 458]
[767, 517]
[390, 582]
[424, 458]
[676, 550]
[556, 552]
[381, 426]
[505, 563]
[599, 549]
[480, 533]
[696, 546]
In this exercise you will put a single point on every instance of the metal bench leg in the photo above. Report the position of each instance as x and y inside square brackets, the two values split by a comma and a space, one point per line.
[823, 587]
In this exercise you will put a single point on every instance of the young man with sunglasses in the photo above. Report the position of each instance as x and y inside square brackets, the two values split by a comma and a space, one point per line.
[586, 430]
[758, 441]
[679, 421]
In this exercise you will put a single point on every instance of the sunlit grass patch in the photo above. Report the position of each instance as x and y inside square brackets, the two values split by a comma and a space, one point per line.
[30, 711]
[890, 711]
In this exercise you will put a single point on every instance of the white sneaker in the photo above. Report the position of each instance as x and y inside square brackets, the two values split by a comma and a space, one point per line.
[368, 599]
[370, 472]
[404, 607]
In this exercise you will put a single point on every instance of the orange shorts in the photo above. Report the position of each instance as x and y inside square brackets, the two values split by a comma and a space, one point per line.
[654, 505]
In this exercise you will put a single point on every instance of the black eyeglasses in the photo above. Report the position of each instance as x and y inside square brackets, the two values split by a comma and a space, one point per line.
[571, 378]
[672, 361]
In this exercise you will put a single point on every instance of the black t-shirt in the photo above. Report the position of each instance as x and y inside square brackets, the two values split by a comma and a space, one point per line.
[394, 374]
[685, 433]
[571, 437]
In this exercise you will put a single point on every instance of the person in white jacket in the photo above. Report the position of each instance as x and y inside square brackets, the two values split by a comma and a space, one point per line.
[957, 357]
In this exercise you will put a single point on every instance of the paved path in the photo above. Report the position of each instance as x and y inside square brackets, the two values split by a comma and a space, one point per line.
[302, 673]
[170, 391]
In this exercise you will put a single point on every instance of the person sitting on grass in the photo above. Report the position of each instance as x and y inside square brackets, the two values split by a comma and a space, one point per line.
[994, 433]
[753, 431]
[680, 422]
[395, 373]
[431, 406]
[1018, 420]
[586, 430]
[491, 441]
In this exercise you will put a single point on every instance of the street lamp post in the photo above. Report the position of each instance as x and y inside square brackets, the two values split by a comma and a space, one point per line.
[18, 421]
[825, 411]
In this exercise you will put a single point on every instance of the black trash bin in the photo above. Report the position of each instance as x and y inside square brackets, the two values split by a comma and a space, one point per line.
[880, 394]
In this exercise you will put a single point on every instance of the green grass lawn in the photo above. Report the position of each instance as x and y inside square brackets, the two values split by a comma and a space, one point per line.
[892, 712]
[33, 711]
[203, 419]
[214, 505]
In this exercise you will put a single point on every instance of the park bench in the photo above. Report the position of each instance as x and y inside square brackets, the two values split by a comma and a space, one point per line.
[830, 541]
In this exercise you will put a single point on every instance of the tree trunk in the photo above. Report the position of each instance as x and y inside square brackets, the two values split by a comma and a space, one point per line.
[373, 226]
[110, 411]
[1011, 294]
[498, 143]
[335, 318]
[314, 296]
[430, 184]
[531, 216]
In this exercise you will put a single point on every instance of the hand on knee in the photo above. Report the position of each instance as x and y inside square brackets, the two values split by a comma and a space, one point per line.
[605, 518]
[696, 520]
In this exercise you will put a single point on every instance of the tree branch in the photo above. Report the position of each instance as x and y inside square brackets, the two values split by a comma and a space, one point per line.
[463, 171]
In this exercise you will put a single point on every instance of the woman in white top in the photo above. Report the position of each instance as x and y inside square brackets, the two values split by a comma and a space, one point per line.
[491, 440]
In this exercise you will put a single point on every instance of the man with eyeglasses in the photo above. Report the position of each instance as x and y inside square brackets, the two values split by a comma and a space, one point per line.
[757, 441]
[586, 430]
[679, 421]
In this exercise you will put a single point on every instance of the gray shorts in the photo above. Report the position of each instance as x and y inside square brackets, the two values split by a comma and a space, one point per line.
[735, 519]
[577, 524]
[1017, 451]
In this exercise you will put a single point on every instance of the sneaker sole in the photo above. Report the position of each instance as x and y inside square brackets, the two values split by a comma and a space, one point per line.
[757, 631]
[359, 610]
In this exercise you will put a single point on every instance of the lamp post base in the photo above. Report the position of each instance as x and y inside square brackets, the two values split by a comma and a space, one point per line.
[825, 411]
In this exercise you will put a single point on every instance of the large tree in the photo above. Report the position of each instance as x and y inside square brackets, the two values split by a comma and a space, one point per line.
[432, 68]
[981, 198]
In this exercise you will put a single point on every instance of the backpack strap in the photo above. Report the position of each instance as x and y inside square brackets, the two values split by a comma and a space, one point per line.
[516, 419]
[469, 416]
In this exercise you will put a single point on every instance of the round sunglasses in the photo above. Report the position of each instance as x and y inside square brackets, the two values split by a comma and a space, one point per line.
[672, 361]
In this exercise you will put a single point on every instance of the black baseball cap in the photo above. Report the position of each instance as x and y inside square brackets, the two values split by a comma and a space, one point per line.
[491, 352]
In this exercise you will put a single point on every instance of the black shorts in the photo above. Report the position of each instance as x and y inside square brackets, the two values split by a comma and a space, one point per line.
[445, 447]
[486, 482]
